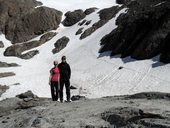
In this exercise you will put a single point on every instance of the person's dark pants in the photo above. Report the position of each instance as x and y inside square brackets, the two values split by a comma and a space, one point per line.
[54, 90]
[67, 86]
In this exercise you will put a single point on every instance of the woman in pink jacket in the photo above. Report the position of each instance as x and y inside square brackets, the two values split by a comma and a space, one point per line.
[54, 80]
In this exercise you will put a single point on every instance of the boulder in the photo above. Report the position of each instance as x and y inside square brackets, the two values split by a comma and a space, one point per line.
[33, 24]
[73, 17]
[27, 94]
[1, 44]
[60, 44]
[78, 97]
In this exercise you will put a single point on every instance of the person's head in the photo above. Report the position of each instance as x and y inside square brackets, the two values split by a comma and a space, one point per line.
[55, 63]
[63, 59]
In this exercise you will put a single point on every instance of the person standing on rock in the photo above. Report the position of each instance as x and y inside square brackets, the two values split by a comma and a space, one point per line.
[65, 74]
[54, 81]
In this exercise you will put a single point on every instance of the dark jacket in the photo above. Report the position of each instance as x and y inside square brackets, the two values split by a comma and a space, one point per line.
[65, 71]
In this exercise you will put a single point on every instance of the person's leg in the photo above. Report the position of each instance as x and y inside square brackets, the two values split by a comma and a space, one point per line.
[52, 91]
[56, 90]
[61, 90]
[67, 84]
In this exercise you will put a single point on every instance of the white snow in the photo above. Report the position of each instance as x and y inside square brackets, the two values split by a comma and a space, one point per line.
[93, 74]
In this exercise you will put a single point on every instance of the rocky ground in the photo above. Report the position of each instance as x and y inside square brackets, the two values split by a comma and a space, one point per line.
[144, 110]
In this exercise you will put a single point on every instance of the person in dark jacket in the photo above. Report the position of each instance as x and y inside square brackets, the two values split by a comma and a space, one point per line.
[65, 74]
[53, 81]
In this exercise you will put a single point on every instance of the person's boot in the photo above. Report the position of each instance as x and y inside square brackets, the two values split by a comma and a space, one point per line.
[68, 100]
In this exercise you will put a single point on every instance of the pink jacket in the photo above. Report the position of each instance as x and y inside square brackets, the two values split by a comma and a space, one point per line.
[55, 74]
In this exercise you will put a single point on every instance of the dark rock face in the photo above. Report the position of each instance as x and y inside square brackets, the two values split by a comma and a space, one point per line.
[90, 10]
[141, 31]
[60, 44]
[1, 44]
[17, 49]
[79, 31]
[37, 22]
[165, 54]
[105, 16]
[4, 64]
[122, 1]
[73, 17]
[11, 10]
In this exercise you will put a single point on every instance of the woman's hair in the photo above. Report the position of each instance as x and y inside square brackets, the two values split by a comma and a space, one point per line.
[55, 62]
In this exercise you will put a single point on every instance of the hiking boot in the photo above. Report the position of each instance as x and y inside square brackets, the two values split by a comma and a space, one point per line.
[68, 101]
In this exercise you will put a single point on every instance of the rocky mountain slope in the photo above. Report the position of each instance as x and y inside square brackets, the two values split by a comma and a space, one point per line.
[143, 32]
[144, 110]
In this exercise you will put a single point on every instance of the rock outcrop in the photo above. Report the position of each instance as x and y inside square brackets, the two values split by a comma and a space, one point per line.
[18, 49]
[90, 10]
[165, 53]
[6, 74]
[79, 31]
[37, 22]
[105, 15]
[141, 32]
[60, 44]
[73, 17]
[3, 89]
[4, 64]
[27, 95]
[82, 22]
[20, 21]
[11, 10]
